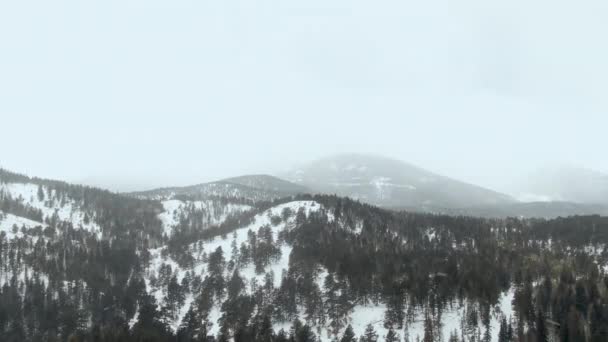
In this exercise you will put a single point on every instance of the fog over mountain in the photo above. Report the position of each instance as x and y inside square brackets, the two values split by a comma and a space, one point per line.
[391, 183]
[397, 185]
[565, 183]
[303, 171]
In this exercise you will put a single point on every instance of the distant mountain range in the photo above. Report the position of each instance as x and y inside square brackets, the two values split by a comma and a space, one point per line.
[391, 183]
[394, 184]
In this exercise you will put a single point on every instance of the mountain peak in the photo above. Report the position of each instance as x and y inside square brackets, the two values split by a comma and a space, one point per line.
[390, 182]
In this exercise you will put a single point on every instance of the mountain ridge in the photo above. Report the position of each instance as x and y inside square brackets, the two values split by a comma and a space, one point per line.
[256, 187]
[213, 269]
[390, 182]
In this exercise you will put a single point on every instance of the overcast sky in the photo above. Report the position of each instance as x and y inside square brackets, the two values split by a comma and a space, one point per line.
[131, 94]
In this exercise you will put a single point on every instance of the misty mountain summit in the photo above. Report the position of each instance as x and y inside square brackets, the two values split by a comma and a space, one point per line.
[391, 183]
[566, 183]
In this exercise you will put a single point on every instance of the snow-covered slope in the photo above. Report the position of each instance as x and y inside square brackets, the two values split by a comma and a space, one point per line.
[159, 261]
[211, 212]
[360, 316]
[451, 320]
[12, 225]
[50, 204]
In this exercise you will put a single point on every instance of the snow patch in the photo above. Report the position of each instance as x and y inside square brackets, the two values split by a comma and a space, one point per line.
[8, 221]
[66, 209]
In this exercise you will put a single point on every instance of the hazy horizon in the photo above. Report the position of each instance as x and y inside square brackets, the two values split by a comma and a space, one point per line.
[132, 95]
[123, 184]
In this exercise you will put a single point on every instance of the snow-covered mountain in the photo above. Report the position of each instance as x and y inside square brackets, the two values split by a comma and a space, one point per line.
[387, 183]
[31, 206]
[249, 187]
[204, 267]
[391, 183]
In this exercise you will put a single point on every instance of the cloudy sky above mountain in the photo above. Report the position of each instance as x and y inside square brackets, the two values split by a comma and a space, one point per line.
[131, 94]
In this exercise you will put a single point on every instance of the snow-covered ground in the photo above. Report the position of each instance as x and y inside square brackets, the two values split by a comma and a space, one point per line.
[214, 212]
[67, 210]
[239, 236]
[8, 221]
[361, 315]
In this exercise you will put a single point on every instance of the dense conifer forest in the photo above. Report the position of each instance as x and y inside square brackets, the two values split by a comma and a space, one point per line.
[83, 264]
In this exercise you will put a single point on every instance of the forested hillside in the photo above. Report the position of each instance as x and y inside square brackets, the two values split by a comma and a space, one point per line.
[83, 264]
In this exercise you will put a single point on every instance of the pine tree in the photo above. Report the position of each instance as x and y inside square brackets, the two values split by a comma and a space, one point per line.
[306, 335]
[406, 332]
[281, 336]
[369, 335]
[301, 333]
[391, 336]
[503, 332]
[150, 323]
[395, 311]
[40, 193]
[453, 336]
[235, 285]
[175, 295]
[349, 335]
[541, 329]
[264, 332]
[428, 329]
[191, 328]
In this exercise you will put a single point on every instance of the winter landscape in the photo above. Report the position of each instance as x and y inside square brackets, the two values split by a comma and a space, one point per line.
[258, 258]
[303, 171]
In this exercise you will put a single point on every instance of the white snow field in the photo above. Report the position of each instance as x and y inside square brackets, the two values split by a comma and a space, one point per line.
[9, 221]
